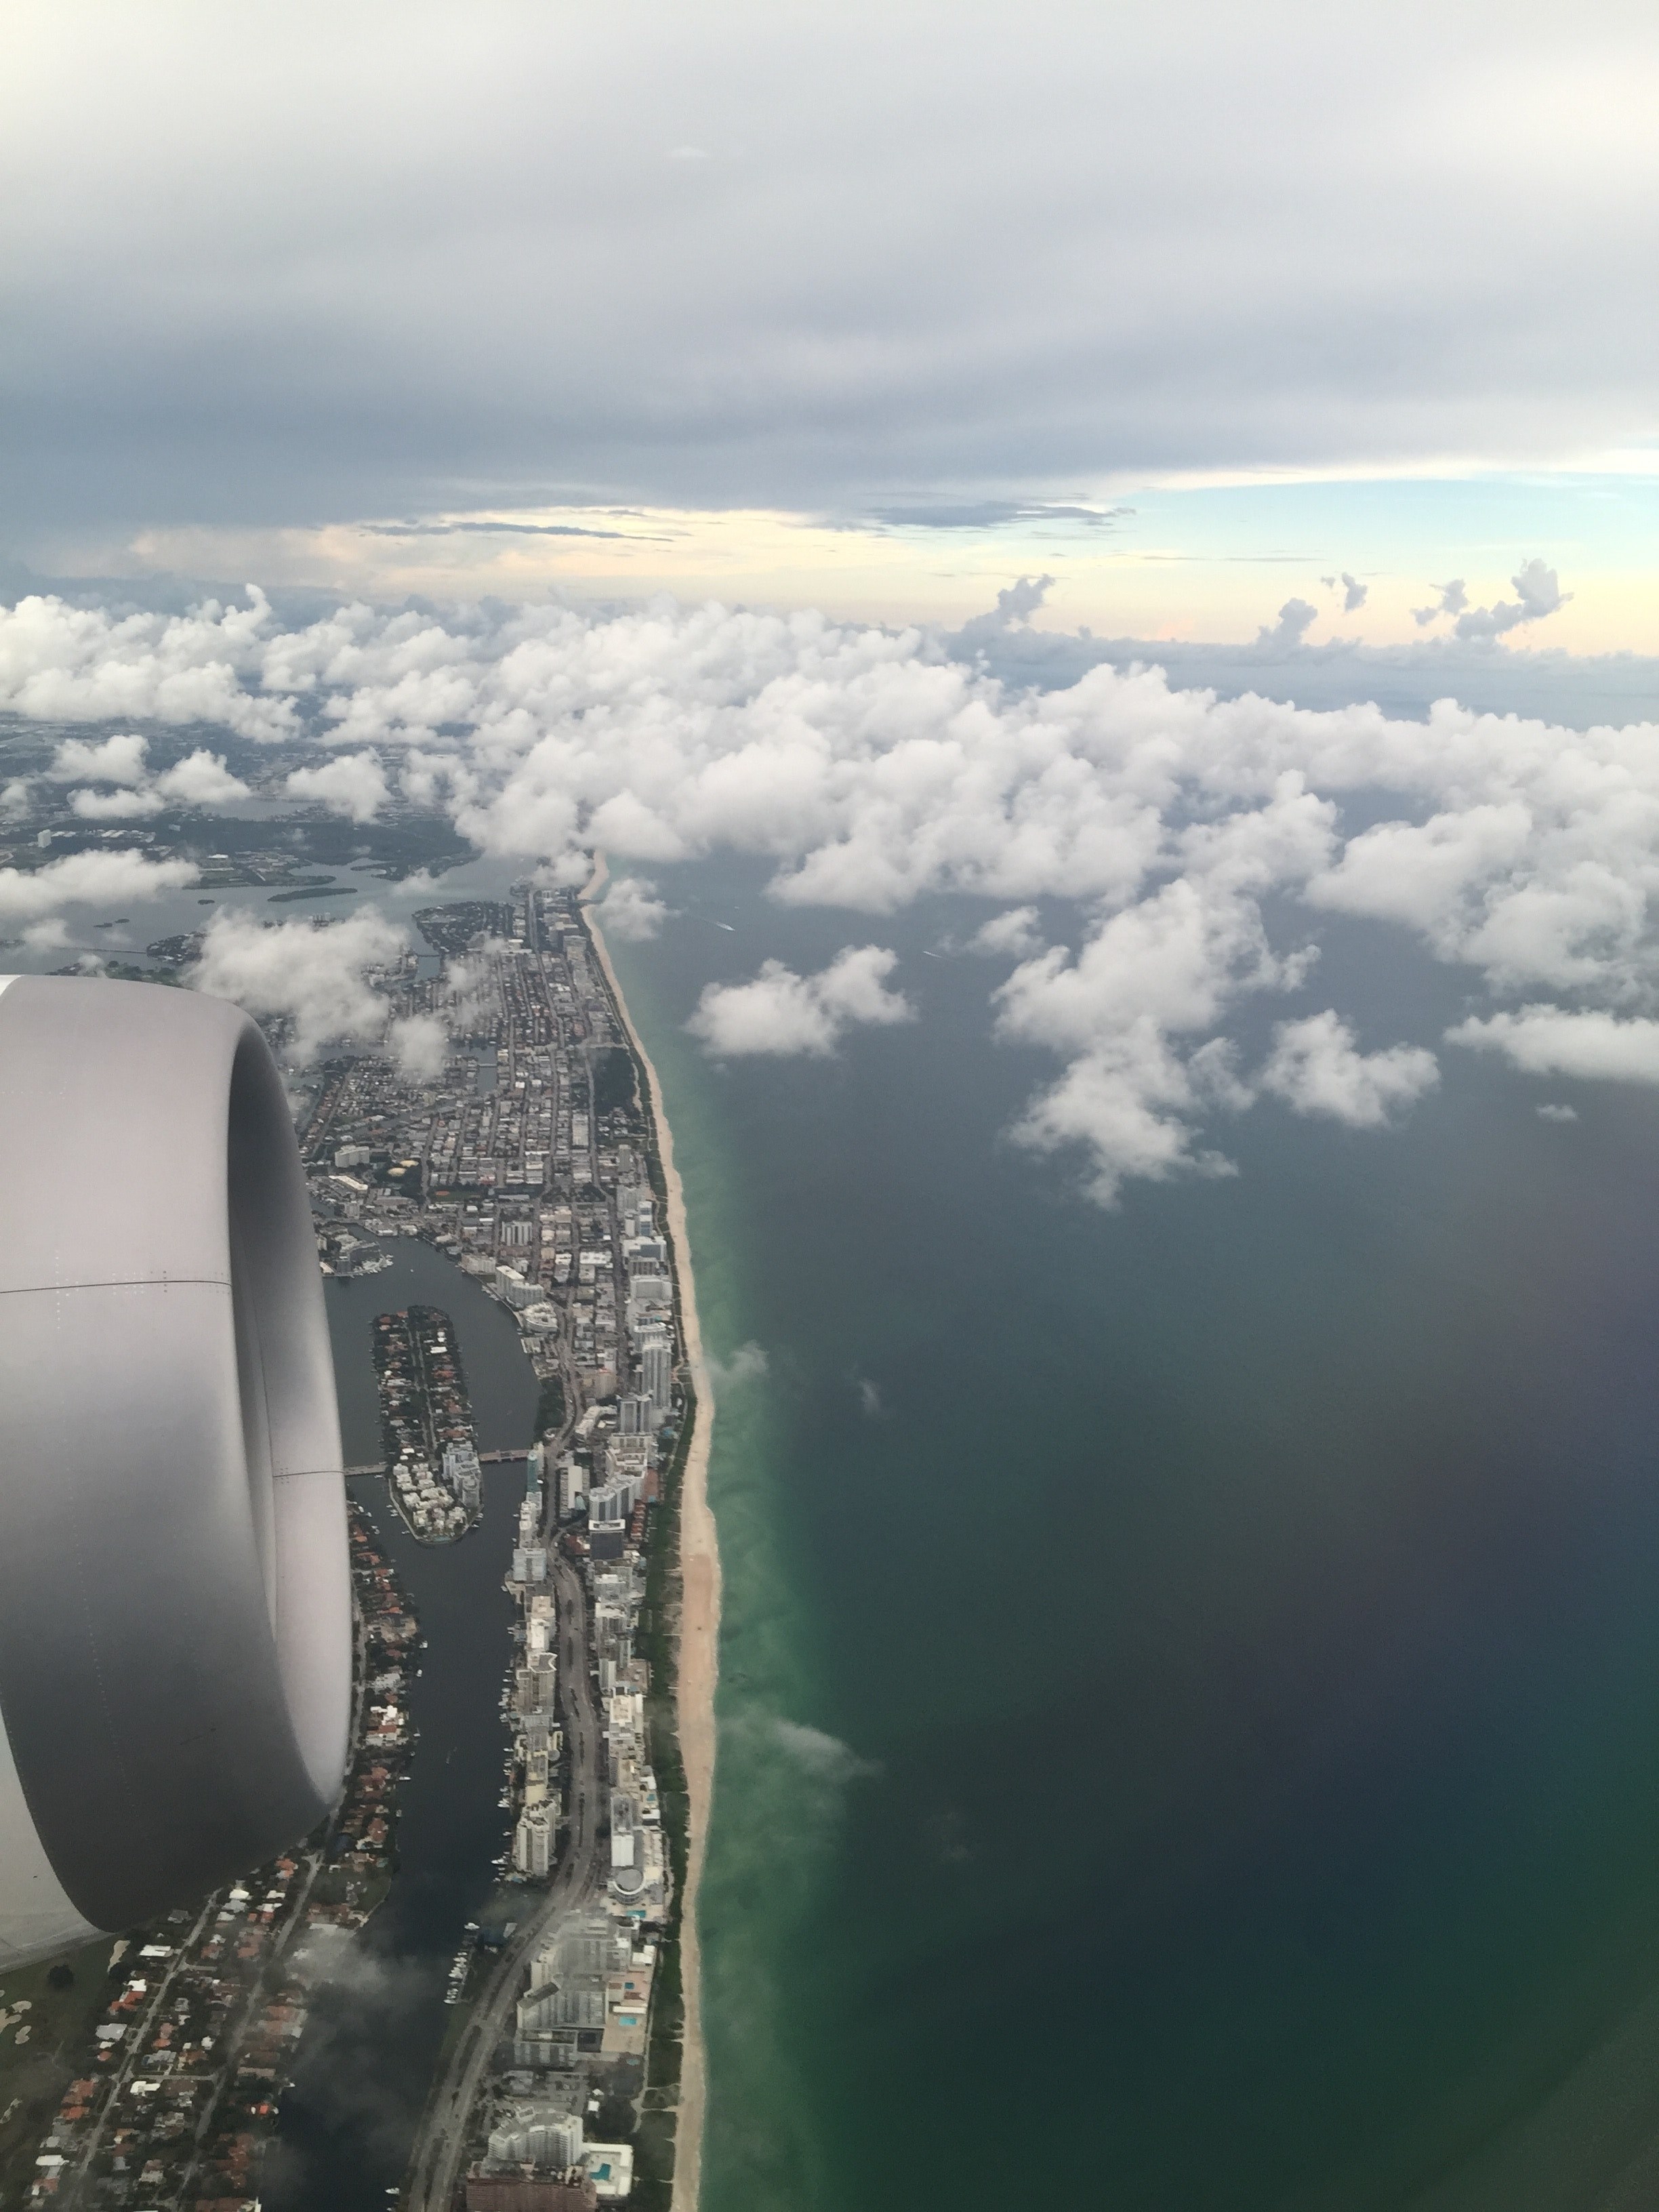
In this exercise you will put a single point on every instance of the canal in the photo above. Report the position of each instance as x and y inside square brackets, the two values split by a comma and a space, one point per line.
[377, 2023]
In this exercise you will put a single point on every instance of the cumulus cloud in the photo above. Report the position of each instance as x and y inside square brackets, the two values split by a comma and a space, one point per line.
[116, 805]
[1354, 594]
[1538, 593]
[29, 895]
[1554, 1112]
[1316, 1068]
[60, 663]
[630, 909]
[1296, 618]
[782, 1013]
[1014, 608]
[201, 780]
[1015, 933]
[1454, 598]
[353, 785]
[1551, 1041]
[118, 759]
[315, 975]
[1199, 843]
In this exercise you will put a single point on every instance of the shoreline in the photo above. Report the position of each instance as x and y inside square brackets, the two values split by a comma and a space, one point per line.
[699, 1643]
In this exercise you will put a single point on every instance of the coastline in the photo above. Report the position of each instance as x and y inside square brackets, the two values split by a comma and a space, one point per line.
[699, 1574]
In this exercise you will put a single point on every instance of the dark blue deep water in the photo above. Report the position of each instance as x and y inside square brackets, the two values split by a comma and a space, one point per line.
[1190, 1705]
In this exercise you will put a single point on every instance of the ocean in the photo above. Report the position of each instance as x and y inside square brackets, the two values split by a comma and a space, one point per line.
[1190, 1711]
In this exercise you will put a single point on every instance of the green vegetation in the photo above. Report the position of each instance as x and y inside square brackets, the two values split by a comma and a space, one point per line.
[614, 2122]
[615, 1083]
[550, 1407]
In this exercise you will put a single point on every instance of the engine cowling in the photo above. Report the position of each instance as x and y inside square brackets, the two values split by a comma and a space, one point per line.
[175, 1612]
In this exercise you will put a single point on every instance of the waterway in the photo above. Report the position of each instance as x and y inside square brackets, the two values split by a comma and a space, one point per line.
[369, 2048]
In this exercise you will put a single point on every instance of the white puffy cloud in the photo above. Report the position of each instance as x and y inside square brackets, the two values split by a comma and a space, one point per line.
[1130, 1103]
[1014, 935]
[630, 909]
[118, 759]
[353, 785]
[1551, 1041]
[1538, 594]
[1316, 1068]
[201, 780]
[1202, 843]
[1454, 598]
[419, 1044]
[315, 975]
[28, 895]
[60, 663]
[1554, 1112]
[780, 1012]
[116, 805]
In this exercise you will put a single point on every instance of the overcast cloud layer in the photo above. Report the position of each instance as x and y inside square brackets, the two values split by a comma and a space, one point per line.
[1176, 830]
[312, 263]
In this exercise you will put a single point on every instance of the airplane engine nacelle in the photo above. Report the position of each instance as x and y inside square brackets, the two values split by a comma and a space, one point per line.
[175, 1611]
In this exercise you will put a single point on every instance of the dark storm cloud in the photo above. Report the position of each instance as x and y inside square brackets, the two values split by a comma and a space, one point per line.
[309, 264]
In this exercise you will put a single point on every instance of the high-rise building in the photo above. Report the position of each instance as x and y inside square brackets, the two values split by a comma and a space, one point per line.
[656, 1380]
[635, 1415]
[572, 1486]
[532, 1844]
[463, 1474]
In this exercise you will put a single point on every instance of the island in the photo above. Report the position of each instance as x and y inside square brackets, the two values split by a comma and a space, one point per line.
[426, 1425]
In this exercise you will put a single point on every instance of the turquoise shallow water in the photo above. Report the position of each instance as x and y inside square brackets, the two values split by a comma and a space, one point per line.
[1190, 1705]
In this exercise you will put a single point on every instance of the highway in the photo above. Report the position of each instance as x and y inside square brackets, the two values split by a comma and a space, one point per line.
[441, 2146]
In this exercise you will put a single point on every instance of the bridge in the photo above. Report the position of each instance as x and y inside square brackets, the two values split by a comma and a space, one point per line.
[485, 1459]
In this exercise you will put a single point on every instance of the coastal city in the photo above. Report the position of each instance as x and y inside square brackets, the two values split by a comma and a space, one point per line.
[188, 2028]
[528, 1158]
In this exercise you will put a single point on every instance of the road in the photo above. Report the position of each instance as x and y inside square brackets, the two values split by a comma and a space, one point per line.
[441, 2146]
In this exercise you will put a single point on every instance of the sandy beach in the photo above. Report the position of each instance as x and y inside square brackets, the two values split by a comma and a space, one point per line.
[700, 1568]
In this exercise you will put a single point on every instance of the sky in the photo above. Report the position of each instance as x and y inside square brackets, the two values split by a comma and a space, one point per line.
[1184, 479]
[1198, 311]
